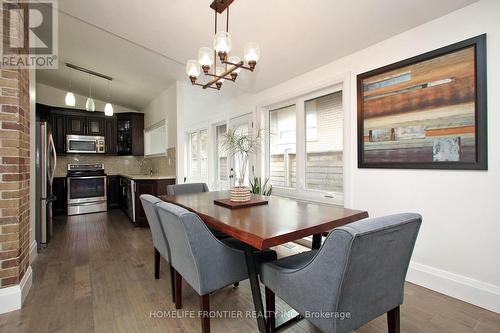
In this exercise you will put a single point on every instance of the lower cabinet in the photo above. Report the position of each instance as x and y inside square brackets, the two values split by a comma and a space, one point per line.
[113, 192]
[153, 187]
[60, 205]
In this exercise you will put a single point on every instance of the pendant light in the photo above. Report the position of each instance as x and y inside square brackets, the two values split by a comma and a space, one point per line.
[70, 100]
[90, 105]
[108, 108]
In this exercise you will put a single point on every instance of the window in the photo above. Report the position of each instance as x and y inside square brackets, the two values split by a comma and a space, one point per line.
[282, 146]
[324, 156]
[155, 139]
[198, 155]
[305, 151]
[221, 167]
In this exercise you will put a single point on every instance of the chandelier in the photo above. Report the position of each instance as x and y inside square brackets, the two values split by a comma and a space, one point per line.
[230, 66]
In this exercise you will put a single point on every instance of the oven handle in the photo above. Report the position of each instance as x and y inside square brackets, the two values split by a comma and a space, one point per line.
[87, 177]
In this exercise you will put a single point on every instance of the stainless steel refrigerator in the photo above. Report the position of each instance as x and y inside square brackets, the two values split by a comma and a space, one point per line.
[46, 160]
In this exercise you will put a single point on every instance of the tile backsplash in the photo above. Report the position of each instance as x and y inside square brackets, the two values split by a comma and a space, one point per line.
[163, 165]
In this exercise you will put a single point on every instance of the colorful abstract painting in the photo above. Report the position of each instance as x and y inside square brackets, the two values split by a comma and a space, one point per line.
[423, 112]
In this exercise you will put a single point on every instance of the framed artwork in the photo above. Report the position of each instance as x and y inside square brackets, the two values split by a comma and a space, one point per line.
[426, 112]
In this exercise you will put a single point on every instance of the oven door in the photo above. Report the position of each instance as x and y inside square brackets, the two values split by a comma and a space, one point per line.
[86, 189]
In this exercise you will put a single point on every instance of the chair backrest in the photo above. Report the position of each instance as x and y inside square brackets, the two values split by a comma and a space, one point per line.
[194, 250]
[187, 188]
[159, 237]
[371, 258]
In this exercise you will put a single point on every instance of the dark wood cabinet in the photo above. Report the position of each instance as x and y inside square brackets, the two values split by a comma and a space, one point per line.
[95, 126]
[130, 134]
[123, 132]
[153, 187]
[58, 127]
[60, 205]
[113, 192]
[76, 125]
[111, 136]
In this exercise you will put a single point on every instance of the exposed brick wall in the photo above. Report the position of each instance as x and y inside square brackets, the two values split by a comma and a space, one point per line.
[14, 167]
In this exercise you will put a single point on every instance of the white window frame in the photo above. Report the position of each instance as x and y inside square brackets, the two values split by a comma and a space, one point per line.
[300, 192]
[197, 178]
[215, 154]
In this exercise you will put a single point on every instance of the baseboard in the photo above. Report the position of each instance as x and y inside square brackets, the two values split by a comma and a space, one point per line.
[472, 291]
[12, 298]
[33, 251]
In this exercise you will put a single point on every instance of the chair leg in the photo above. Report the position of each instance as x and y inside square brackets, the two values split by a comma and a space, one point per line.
[157, 264]
[270, 311]
[178, 290]
[205, 313]
[172, 282]
[393, 322]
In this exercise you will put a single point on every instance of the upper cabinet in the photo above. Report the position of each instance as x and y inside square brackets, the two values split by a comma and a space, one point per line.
[123, 132]
[85, 125]
[95, 126]
[111, 136]
[130, 130]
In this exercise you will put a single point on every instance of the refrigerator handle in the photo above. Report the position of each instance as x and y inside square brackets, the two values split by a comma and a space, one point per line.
[53, 148]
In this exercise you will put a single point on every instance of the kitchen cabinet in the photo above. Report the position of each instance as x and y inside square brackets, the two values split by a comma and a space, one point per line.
[153, 187]
[130, 134]
[58, 127]
[76, 125]
[123, 132]
[95, 126]
[60, 205]
[113, 192]
[111, 136]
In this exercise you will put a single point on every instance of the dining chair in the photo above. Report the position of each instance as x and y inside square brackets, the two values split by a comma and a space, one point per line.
[186, 188]
[357, 275]
[203, 261]
[189, 188]
[159, 238]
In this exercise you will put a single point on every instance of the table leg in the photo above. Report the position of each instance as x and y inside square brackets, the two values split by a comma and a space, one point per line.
[254, 284]
[316, 244]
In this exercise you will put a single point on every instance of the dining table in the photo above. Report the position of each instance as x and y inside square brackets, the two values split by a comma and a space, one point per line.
[279, 221]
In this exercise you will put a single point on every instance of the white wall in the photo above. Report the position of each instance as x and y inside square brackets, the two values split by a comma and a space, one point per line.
[55, 97]
[164, 106]
[458, 250]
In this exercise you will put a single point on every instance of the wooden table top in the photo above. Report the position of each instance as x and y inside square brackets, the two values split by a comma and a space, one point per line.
[282, 220]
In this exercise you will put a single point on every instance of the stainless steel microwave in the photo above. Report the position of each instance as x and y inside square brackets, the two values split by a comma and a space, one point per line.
[85, 144]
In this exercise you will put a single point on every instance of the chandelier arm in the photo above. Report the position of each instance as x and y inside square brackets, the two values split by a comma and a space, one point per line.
[242, 66]
[222, 75]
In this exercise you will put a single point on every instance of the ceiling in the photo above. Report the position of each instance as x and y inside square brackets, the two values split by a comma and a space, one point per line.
[144, 45]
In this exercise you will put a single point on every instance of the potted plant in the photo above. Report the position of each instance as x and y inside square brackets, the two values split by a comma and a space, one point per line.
[239, 146]
[259, 187]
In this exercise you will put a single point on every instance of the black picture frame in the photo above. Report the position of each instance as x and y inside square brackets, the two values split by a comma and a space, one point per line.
[481, 135]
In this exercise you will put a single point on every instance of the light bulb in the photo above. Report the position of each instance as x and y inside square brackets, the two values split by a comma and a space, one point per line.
[70, 99]
[235, 60]
[90, 105]
[193, 68]
[222, 42]
[206, 56]
[252, 52]
[108, 109]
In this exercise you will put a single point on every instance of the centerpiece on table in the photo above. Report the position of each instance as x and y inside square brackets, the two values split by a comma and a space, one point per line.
[239, 146]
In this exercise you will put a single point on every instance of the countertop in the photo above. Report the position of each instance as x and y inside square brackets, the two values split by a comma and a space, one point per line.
[143, 177]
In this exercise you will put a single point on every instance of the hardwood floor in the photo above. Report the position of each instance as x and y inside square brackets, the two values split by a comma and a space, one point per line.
[97, 276]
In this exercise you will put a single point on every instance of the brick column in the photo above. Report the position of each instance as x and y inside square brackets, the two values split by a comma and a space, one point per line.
[14, 166]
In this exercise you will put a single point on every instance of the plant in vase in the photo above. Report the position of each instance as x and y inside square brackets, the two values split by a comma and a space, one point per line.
[240, 146]
[258, 187]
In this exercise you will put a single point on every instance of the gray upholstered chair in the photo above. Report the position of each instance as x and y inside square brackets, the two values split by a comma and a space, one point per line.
[360, 270]
[205, 262]
[159, 238]
[189, 188]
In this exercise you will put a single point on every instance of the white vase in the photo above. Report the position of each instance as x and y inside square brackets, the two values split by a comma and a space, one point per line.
[240, 194]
